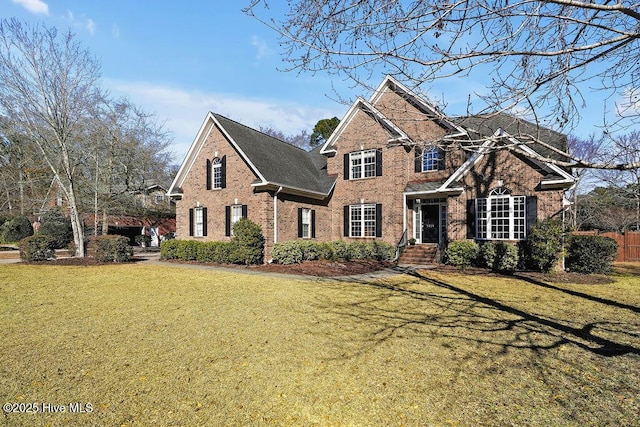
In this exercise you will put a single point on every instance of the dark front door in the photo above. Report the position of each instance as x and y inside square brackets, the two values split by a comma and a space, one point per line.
[430, 223]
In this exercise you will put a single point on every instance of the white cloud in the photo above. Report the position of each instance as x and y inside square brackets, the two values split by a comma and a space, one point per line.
[184, 111]
[262, 49]
[91, 26]
[34, 6]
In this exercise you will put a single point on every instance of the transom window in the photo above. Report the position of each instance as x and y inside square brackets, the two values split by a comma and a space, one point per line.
[362, 220]
[363, 164]
[431, 159]
[216, 167]
[501, 216]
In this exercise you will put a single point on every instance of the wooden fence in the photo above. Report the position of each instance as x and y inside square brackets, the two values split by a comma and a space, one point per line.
[628, 244]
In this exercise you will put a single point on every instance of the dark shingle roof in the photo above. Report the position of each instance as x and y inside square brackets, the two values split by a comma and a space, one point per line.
[487, 125]
[279, 162]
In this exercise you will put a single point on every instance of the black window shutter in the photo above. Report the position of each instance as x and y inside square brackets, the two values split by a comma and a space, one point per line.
[227, 220]
[204, 221]
[223, 181]
[378, 220]
[418, 160]
[471, 218]
[299, 222]
[191, 222]
[441, 159]
[313, 223]
[379, 162]
[532, 212]
[346, 221]
[245, 209]
[347, 166]
[208, 182]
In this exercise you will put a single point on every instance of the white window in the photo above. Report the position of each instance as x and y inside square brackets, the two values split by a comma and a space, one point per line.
[501, 216]
[363, 164]
[306, 223]
[431, 159]
[362, 220]
[159, 198]
[216, 167]
[198, 219]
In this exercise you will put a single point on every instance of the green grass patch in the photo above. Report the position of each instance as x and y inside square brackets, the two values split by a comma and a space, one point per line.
[149, 345]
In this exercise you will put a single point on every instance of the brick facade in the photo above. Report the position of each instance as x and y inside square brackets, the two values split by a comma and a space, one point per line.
[362, 129]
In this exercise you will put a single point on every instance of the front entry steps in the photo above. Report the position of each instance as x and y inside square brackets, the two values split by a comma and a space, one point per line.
[425, 254]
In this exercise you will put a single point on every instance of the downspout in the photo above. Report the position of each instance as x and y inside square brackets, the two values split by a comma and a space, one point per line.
[275, 215]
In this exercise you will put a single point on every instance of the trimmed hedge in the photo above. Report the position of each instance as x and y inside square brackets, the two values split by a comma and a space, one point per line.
[111, 248]
[296, 251]
[591, 254]
[248, 243]
[462, 253]
[37, 248]
[498, 256]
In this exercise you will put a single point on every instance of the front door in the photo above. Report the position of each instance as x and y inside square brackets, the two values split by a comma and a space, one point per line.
[430, 223]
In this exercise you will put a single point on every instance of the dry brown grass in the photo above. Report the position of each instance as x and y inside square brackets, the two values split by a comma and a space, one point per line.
[175, 346]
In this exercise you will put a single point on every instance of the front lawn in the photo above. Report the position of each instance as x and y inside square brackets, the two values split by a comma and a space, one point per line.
[149, 345]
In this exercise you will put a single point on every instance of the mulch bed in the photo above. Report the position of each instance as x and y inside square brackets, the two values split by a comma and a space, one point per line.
[346, 268]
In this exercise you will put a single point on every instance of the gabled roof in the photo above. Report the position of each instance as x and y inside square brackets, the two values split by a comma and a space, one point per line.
[396, 133]
[275, 163]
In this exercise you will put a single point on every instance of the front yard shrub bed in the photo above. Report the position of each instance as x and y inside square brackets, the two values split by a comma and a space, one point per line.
[297, 251]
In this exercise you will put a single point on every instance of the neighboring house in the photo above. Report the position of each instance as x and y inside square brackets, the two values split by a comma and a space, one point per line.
[154, 197]
[394, 168]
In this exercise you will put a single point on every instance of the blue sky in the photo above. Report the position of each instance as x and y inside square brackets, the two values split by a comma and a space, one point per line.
[180, 60]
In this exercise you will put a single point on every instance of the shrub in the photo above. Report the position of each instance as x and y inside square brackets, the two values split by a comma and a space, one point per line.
[287, 252]
[487, 255]
[383, 251]
[169, 249]
[37, 248]
[17, 229]
[187, 250]
[248, 243]
[591, 254]
[310, 250]
[112, 248]
[543, 247]
[341, 250]
[218, 252]
[462, 253]
[57, 227]
[506, 257]
[143, 238]
[360, 250]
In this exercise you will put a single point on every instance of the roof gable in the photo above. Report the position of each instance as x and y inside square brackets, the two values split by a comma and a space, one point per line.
[275, 163]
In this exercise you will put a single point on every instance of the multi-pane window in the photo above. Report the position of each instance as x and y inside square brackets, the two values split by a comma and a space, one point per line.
[431, 159]
[501, 216]
[216, 167]
[236, 214]
[198, 219]
[306, 223]
[362, 164]
[362, 220]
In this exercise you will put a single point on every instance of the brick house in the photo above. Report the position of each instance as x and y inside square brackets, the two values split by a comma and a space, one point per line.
[395, 168]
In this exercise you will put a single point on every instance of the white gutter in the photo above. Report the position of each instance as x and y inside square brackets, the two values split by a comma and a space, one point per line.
[275, 215]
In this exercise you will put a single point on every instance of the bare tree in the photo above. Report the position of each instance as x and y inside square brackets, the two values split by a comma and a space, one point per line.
[626, 149]
[538, 54]
[588, 149]
[300, 140]
[49, 85]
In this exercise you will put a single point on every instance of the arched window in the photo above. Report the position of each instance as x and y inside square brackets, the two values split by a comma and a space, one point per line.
[501, 216]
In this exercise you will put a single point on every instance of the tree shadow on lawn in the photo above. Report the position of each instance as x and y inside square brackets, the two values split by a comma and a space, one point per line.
[443, 310]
